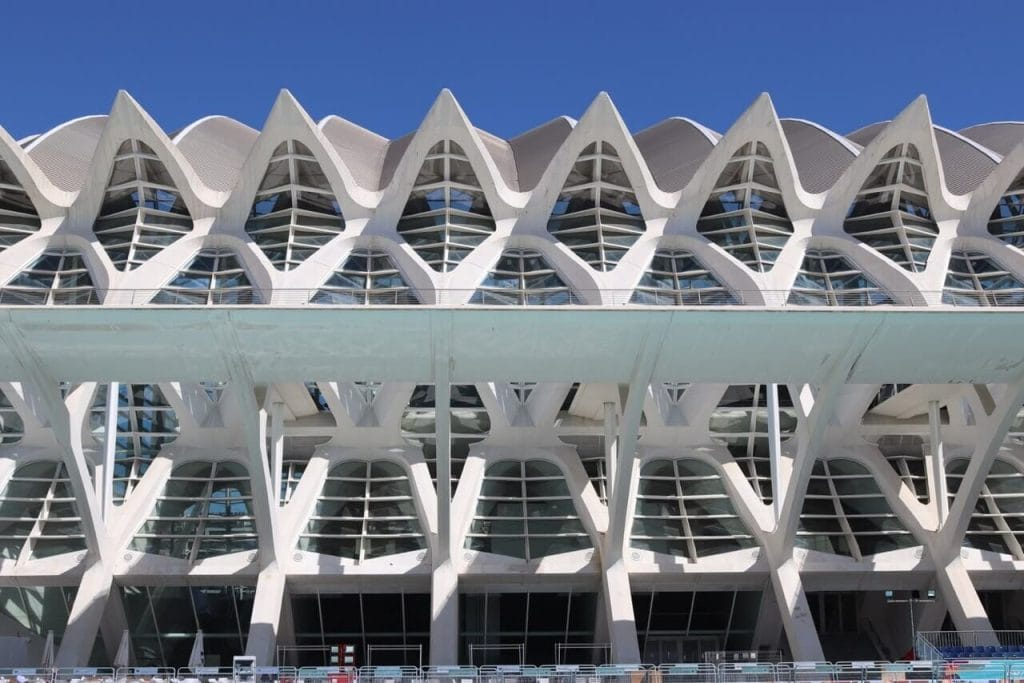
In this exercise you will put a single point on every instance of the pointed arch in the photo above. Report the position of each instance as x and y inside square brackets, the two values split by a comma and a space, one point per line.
[523, 277]
[597, 214]
[295, 211]
[213, 276]
[829, 278]
[367, 276]
[447, 214]
[745, 214]
[677, 277]
[973, 278]
[142, 211]
[19, 217]
[57, 277]
[892, 213]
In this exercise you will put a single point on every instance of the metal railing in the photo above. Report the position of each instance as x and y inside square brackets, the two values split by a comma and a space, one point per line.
[944, 641]
[979, 670]
[319, 297]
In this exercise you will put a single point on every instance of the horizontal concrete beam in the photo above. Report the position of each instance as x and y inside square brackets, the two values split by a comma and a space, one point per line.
[511, 344]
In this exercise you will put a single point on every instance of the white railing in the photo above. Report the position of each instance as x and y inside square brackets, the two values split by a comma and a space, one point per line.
[317, 297]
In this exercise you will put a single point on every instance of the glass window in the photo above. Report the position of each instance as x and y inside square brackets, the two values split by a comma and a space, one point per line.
[18, 215]
[525, 511]
[58, 277]
[905, 452]
[845, 513]
[890, 213]
[38, 513]
[828, 278]
[11, 426]
[975, 279]
[745, 214]
[682, 509]
[213, 277]
[997, 523]
[1007, 220]
[364, 510]
[142, 210]
[205, 510]
[677, 278]
[523, 277]
[145, 422]
[597, 214]
[470, 423]
[366, 277]
[447, 214]
[295, 212]
[740, 422]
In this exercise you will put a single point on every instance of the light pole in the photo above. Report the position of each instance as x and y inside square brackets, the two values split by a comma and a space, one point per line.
[912, 597]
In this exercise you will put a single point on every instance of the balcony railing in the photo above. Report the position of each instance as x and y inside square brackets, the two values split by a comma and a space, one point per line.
[317, 297]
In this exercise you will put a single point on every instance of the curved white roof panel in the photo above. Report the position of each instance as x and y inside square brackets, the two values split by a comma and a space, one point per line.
[217, 147]
[65, 153]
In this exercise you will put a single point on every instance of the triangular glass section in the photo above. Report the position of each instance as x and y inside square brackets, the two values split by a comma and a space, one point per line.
[740, 422]
[59, 277]
[525, 510]
[1007, 220]
[364, 510]
[142, 211]
[18, 215]
[213, 277]
[845, 513]
[367, 277]
[295, 211]
[683, 509]
[447, 214]
[828, 278]
[678, 278]
[976, 279]
[597, 214]
[905, 452]
[745, 214]
[523, 277]
[145, 422]
[891, 212]
[42, 512]
[995, 522]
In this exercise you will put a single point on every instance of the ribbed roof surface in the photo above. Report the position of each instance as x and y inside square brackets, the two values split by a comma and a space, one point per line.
[217, 147]
[999, 137]
[362, 150]
[964, 163]
[820, 155]
[65, 153]
[674, 149]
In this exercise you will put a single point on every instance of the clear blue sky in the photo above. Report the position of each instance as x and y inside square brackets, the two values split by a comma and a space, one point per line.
[512, 64]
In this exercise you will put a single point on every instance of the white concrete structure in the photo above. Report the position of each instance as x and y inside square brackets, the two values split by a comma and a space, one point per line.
[707, 391]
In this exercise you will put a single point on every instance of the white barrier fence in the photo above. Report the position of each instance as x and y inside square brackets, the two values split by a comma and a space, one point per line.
[981, 671]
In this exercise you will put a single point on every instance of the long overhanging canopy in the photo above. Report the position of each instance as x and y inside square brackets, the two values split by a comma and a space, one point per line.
[535, 344]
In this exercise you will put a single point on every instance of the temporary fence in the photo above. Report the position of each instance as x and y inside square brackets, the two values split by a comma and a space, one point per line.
[978, 671]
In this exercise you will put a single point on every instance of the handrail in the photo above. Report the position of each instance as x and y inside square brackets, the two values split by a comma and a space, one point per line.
[320, 297]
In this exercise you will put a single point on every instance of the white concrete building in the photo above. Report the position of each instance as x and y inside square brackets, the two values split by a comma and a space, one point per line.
[707, 391]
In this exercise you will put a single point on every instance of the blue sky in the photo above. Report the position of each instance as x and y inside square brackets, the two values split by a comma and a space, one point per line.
[512, 65]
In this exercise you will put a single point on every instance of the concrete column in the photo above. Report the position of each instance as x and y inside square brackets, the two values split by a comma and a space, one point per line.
[775, 449]
[85, 617]
[795, 613]
[444, 615]
[276, 450]
[611, 430]
[935, 465]
[105, 473]
[957, 590]
[114, 623]
[618, 602]
[266, 616]
[768, 631]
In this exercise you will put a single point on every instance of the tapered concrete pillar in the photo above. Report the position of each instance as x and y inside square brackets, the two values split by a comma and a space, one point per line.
[444, 615]
[768, 632]
[796, 617]
[266, 616]
[85, 617]
[618, 602]
[965, 608]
